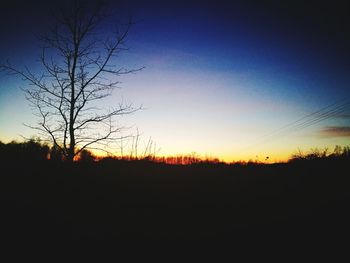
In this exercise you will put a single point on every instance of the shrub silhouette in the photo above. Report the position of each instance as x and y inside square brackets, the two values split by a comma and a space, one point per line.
[316, 154]
[56, 154]
[86, 156]
[32, 150]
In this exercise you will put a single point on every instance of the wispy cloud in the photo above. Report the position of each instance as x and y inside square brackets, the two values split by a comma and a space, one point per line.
[335, 131]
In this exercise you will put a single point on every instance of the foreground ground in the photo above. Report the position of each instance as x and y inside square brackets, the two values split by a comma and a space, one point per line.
[302, 203]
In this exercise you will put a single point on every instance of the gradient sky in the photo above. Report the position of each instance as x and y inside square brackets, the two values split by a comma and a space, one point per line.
[221, 78]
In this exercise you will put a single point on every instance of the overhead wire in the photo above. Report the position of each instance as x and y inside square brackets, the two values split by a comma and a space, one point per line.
[300, 120]
[332, 110]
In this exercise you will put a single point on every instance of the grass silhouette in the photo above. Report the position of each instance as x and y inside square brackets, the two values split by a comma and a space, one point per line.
[110, 200]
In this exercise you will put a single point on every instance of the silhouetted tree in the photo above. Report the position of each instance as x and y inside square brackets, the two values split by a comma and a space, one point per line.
[31, 150]
[56, 154]
[77, 69]
[86, 156]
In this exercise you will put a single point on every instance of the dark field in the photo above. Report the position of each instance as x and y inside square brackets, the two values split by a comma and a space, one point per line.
[302, 203]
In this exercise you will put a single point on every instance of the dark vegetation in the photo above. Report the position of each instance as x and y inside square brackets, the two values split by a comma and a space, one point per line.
[304, 201]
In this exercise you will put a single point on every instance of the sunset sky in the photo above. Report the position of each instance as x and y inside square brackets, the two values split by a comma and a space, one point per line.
[236, 80]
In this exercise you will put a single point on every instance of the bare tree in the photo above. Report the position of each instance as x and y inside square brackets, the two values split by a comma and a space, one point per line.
[78, 72]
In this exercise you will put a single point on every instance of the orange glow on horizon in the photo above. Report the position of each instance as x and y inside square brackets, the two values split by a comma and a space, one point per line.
[196, 157]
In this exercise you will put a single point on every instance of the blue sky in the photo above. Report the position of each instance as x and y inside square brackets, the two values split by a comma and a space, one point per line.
[218, 75]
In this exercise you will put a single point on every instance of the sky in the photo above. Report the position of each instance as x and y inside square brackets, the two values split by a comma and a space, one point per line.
[237, 80]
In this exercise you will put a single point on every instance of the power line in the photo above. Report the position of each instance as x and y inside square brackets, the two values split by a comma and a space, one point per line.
[299, 121]
[333, 113]
[331, 110]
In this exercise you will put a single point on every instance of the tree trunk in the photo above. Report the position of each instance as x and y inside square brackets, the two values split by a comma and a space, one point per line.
[71, 150]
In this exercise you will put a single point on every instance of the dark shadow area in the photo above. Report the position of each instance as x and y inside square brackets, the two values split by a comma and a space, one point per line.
[304, 202]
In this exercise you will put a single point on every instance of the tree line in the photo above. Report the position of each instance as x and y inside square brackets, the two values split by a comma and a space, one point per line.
[36, 150]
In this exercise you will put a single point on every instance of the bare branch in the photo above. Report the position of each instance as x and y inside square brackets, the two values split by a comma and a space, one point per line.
[77, 64]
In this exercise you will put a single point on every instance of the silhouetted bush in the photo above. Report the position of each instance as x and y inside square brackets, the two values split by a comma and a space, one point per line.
[317, 154]
[86, 156]
[56, 154]
[32, 150]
